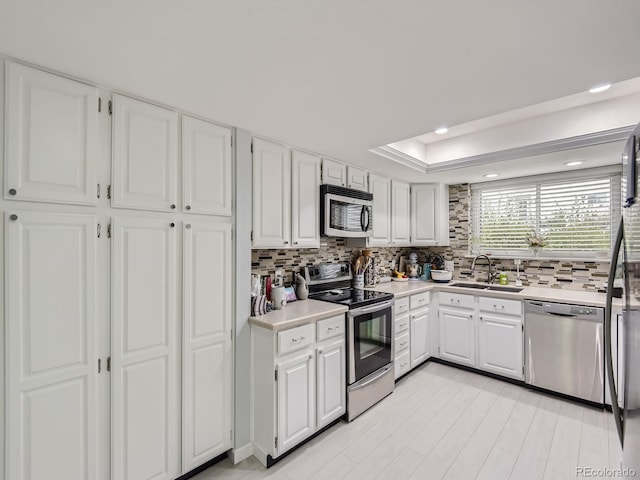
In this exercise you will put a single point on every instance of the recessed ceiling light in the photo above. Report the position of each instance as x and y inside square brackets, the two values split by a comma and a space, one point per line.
[490, 175]
[573, 164]
[600, 88]
[441, 130]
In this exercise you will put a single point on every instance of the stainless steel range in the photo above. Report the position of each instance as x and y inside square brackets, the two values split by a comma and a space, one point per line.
[369, 325]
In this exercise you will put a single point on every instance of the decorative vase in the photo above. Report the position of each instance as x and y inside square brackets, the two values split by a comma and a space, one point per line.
[535, 251]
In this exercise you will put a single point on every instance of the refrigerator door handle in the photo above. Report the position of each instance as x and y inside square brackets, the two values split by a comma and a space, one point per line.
[617, 415]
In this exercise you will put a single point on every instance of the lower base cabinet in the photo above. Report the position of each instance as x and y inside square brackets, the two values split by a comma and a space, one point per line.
[500, 345]
[457, 335]
[299, 383]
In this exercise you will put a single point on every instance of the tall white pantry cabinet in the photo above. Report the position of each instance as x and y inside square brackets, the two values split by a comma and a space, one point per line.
[118, 284]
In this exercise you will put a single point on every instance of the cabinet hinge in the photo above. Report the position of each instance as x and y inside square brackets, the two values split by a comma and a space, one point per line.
[108, 364]
[252, 235]
[108, 230]
[231, 334]
[522, 327]
[523, 369]
[438, 349]
[109, 192]
[230, 434]
[99, 104]
[110, 107]
[275, 443]
[232, 234]
[99, 365]
[98, 191]
[252, 146]
[232, 141]
[275, 375]
[99, 228]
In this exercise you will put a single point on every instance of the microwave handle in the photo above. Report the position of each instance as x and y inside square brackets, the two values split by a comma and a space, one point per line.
[366, 229]
[362, 225]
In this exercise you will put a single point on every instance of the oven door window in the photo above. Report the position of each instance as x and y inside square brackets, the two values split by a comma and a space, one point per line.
[372, 342]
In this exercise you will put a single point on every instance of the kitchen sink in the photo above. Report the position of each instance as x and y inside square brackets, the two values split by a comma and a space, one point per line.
[484, 286]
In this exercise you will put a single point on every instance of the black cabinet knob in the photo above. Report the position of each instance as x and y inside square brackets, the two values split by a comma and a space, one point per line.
[173, 206]
[188, 207]
[13, 217]
[172, 224]
[12, 191]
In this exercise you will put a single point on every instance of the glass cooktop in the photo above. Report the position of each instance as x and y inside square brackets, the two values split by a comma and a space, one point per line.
[352, 297]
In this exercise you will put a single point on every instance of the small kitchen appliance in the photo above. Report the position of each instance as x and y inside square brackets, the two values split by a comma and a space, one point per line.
[369, 326]
[345, 212]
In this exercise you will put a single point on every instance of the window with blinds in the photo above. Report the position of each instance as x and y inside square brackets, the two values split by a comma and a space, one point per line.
[574, 214]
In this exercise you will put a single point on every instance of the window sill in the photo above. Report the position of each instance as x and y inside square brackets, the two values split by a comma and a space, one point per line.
[544, 258]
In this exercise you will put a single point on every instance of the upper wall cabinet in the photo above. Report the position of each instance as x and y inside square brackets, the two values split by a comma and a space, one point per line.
[271, 195]
[305, 200]
[206, 167]
[51, 136]
[145, 155]
[357, 178]
[334, 173]
[400, 227]
[380, 187]
[429, 214]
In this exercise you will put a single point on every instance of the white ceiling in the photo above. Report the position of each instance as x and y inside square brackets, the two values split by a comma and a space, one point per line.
[335, 77]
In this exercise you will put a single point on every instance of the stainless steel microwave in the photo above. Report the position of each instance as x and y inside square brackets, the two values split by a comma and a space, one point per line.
[345, 212]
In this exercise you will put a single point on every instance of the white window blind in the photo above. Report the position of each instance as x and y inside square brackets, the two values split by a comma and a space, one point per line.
[575, 213]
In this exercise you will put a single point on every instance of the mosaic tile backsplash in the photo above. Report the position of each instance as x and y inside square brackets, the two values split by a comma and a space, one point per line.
[572, 275]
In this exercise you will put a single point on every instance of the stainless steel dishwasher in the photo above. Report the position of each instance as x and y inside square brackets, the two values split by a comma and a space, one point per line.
[564, 348]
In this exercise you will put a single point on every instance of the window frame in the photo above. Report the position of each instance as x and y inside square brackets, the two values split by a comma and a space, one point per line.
[613, 172]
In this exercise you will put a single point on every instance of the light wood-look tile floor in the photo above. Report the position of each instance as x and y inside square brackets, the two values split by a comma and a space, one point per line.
[446, 423]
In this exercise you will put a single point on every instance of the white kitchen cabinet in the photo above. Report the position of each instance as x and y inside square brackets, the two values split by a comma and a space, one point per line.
[51, 347]
[334, 173]
[331, 389]
[429, 214]
[305, 200]
[296, 399]
[380, 187]
[206, 167]
[206, 342]
[271, 195]
[299, 383]
[420, 337]
[52, 138]
[500, 345]
[357, 178]
[145, 390]
[457, 335]
[145, 156]
[400, 224]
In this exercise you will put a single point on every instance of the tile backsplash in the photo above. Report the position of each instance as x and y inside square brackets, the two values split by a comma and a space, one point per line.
[573, 275]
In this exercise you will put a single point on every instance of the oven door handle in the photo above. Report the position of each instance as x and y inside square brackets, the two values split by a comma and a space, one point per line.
[371, 380]
[375, 308]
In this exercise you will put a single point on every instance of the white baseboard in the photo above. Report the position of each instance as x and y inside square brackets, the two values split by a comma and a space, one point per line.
[241, 453]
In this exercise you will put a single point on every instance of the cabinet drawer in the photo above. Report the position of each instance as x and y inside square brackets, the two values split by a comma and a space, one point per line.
[499, 305]
[401, 324]
[402, 343]
[331, 327]
[419, 300]
[456, 300]
[401, 306]
[295, 338]
[401, 365]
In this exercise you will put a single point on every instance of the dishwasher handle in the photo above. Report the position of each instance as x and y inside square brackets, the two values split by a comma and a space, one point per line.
[578, 312]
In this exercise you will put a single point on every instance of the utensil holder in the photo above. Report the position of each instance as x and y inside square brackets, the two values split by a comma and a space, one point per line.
[358, 280]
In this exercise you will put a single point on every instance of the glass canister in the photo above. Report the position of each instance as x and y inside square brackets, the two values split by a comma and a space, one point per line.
[370, 272]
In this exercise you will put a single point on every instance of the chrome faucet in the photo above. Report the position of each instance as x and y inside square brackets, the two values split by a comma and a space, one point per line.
[490, 275]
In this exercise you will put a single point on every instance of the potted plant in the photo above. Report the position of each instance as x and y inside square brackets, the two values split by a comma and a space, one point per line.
[536, 242]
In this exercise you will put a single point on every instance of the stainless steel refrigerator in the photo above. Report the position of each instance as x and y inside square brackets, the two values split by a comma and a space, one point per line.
[624, 383]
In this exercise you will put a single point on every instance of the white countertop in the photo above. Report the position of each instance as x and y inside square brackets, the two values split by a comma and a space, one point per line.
[308, 311]
[402, 289]
[297, 313]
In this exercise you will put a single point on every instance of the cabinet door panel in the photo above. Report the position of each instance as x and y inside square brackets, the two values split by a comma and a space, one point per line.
[500, 345]
[457, 336]
[145, 391]
[400, 231]
[331, 386]
[424, 214]
[380, 187]
[51, 346]
[271, 194]
[206, 164]
[206, 396]
[419, 337]
[334, 173]
[296, 400]
[305, 200]
[357, 178]
[51, 137]
[145, 156]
